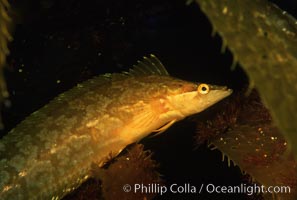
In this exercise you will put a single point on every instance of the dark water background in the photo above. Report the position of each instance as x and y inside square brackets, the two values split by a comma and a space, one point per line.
[59, 43]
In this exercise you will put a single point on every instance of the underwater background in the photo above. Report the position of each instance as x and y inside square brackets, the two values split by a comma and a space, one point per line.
[59, 43]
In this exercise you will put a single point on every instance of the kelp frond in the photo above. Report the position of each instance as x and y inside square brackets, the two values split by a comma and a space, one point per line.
[5, 37]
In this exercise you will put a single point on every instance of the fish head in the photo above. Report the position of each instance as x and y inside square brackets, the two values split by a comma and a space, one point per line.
[193, 98]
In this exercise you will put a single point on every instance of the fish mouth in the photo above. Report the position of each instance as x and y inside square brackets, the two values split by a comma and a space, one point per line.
[228, 90]
[222, 88]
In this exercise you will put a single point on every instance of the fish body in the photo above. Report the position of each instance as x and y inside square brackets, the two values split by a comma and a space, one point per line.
[50, 153]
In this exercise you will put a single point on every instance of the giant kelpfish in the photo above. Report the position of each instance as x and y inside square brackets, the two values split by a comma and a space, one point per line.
[50, 153]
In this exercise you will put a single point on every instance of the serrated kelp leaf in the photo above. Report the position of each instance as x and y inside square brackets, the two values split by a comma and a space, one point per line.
[244, 132]
[263, 40]
[5, 37]
[259, 150]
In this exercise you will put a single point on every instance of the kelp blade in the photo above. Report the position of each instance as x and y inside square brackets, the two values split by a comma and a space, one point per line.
[263, 40]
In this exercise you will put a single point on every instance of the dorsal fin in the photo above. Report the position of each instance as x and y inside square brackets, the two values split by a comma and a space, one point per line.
[148, 66]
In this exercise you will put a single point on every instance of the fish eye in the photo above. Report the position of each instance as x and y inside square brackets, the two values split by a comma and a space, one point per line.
[203, 88]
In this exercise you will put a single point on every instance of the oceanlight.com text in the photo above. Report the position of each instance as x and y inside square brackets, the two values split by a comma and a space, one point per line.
[247, 189]
[210, 188]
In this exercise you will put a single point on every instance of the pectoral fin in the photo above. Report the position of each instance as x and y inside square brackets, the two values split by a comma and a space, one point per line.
[163, 128]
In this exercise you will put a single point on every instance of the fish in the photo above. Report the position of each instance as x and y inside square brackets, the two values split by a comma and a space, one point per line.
[51, 152]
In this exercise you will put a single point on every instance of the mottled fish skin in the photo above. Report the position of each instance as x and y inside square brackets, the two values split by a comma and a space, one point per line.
[51, 152]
